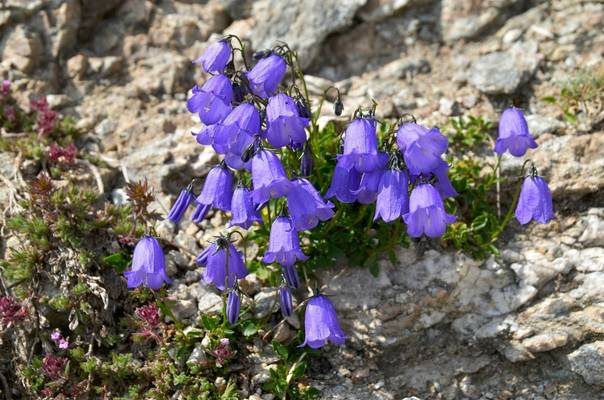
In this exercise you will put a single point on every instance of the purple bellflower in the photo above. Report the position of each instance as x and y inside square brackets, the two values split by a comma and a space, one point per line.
[232, 307]
[215, 58]
[513, 134]
[217, 192]
[421, 147]
[185, 198]
[243, 212]
[215, 260]
[285, 301]
[535, 201]
[268, 177]
[283, 245]
[393, 196]
[361, 147]
[321, 323]
[427, 213]
[306, 206]
[443, 184]
[285, 126]
[148, 265]
[290, 273]
[344, 183]
[266, 75]
[235, 133]
[368, 187]
[213, 100]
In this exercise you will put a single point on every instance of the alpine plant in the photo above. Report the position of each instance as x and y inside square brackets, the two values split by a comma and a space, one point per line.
[253, 118]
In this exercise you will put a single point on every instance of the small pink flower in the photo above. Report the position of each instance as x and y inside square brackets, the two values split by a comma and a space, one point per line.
[63, 344]
[11, 312]
[5, 88]
[223, 351]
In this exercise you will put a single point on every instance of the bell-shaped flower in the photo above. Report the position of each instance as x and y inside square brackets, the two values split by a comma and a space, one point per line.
[148, 265]
[185, 198]
[217, 192]
[235, 133]
[290, 273]
[213, 100]
[284, 124]
[421, 147]
[393, 196]
[266, 75]
[283, 244]
[442, 183]
[232, 307]
[268, 177]
[321, 323]
[344, 183]
[306, 206]
[215, 58]
[361, 147]
[514, 135]
[285, 301]
[427, 213]
[243, 211]
[368, 187]
[216, 262]
[535, 201]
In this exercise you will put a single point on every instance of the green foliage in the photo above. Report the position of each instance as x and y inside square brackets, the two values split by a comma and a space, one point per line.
[290, 369]
[584, 93]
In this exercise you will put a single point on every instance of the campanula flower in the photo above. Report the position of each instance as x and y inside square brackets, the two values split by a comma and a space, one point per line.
[285, 301]
[361, 147]
[535, 201]
[235, 133]
[243, 212]
[232, 307]
[368, 187]
[217, 192]
[268, 177]
[306, 206]
[321, 323]
[213, 100]
[421, 147]
[427, 213]
[283, 244]
[290, 273]
[285, 126]
[266, 75]
[344, 183]
[514, 135]
[185, 198]
[306, 161]
[393, 196]
[443, 184]
[216, 57]
[148, 265]
[215, 260]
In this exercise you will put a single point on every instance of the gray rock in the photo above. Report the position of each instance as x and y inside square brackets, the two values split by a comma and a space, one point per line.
[22, 49]
[184, 309]
[588, 361]
[539, 124]
[304, 25]
[505, 72]
[377, 10]
[264, 302]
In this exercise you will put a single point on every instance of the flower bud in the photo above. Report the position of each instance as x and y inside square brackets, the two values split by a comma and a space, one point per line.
[232, 308]
[260, 54]
[302, 107]
[285, 300]
[306, 162]
[338, 107]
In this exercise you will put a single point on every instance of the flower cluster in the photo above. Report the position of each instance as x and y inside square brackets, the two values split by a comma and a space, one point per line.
[46, 117]
[64, 155]
[11, 312]
[259, 124]
[59, 340]
[54, 366]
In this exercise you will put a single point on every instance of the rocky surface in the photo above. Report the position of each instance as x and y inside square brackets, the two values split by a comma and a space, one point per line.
[437, 325]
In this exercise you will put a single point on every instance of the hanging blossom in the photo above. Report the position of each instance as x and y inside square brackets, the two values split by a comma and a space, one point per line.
[285, 301]
[361, 147]
[148, 265]
[235, 134]
[285, 126]
[268, 177]
[514, 135]
[216, 263]
[266, 75]
[321, 323]
[185, 198]
[243, 211]
[212, 101]
[427, 213]
[306, 206]
[283, 243]
[535, 201]
[217, 192]
[344, 183]
[233, 306]
[421, 147]
[215, 58]
[392, 196]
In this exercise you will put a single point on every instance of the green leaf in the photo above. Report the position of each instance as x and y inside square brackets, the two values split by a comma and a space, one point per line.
[208, 322]
[549, 99]
[249, 329]
[118, 261]
[281, 350]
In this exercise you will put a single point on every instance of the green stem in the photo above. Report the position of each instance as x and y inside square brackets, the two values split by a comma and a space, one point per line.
[510, 213]
[226, 287]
